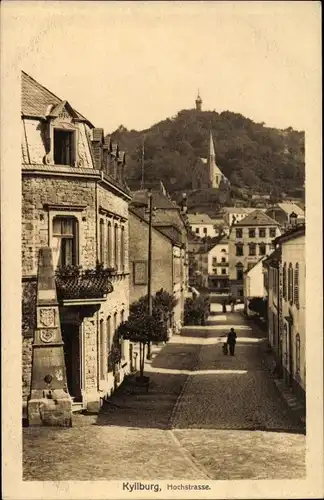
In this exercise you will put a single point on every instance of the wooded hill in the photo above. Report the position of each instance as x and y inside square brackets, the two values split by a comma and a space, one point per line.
[252, 156]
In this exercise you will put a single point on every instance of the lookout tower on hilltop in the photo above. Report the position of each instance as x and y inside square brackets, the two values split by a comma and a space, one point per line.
[198, 102]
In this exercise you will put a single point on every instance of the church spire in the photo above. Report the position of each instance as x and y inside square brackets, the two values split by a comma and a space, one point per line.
[211, 147]
[198, 102]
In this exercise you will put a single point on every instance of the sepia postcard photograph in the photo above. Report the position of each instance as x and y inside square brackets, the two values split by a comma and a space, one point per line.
[161, 250]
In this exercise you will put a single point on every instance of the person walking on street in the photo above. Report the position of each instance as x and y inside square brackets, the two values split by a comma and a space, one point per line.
[231, 341]
[233, 305]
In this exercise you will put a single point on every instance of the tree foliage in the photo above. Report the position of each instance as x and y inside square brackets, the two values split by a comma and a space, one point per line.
[196, 310]
[251, 155]
[143, 328]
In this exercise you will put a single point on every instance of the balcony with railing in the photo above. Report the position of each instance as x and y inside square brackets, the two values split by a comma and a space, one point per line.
[75, 286]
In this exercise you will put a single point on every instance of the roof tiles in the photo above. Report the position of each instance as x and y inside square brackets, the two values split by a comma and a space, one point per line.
[257, 218]
[36, 99]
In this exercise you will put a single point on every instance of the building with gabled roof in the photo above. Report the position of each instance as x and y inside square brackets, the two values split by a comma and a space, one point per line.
[253, 283]
[233, 215]
[281, 212]
[39, 102]
[250, 239]
[74, 212]
[210, 263]
[202, 225]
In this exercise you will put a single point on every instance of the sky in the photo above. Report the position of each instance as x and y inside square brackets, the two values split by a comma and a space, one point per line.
[136, 63]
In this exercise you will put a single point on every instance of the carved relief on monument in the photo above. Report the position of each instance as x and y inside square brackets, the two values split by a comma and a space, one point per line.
[46, 318]
[47, 335]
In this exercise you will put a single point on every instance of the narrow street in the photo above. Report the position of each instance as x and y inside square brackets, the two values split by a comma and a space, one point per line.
[205, 416]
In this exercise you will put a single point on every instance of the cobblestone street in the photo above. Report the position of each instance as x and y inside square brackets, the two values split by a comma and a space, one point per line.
[204, 416]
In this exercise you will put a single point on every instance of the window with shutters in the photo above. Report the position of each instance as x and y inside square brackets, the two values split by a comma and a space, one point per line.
[284, 281]
[296, 286]
[290, 283]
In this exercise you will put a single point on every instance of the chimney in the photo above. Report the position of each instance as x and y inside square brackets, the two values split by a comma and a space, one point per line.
[106, 154]
[97, 143]
[293, 219]
[121, 167]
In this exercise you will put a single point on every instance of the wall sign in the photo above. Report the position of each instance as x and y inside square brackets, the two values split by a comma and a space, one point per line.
[140, 273]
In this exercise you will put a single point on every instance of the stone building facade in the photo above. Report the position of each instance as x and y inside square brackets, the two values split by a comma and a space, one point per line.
[162, 258]
[75, 202]
[250, 239]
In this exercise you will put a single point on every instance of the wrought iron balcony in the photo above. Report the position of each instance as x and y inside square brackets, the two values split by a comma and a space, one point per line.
[73, 283]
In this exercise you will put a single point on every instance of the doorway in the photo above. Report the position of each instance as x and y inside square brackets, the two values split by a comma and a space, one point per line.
[72, 355]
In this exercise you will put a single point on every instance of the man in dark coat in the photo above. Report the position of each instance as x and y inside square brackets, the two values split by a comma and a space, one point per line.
[231, 341]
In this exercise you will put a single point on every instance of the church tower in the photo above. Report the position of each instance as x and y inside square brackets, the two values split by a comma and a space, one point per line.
[198, 102]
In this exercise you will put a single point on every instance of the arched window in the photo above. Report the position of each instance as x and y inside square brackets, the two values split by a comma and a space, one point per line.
[284, 281]
[290, 283]
[296, 286]
[297, 354]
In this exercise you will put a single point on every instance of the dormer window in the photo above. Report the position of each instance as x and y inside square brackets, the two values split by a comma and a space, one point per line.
[64, 147]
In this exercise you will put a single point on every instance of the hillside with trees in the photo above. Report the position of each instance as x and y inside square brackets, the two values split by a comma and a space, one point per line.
[255, 158]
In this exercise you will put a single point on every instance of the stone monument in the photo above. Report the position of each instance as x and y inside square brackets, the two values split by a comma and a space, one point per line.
[49, 402]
